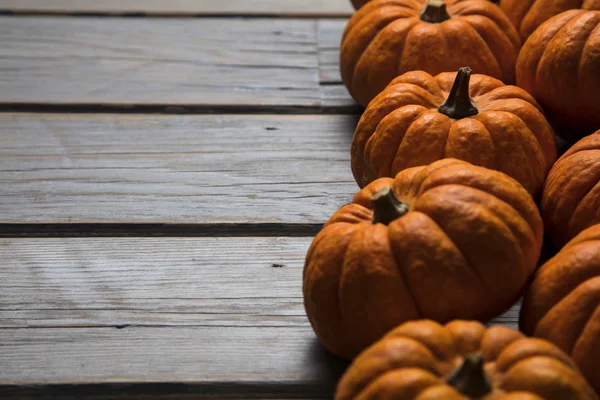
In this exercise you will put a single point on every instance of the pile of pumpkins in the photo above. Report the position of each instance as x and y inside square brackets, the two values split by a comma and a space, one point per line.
[456, 158]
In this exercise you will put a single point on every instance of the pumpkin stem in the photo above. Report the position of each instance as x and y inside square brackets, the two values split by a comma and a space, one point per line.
[387, 207]
[470, 378]
[435, 12]
[458, 104]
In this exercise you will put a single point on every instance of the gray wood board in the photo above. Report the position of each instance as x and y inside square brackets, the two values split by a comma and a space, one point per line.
[184, 7]
[174, 169]
[209, 315]
[173, 65]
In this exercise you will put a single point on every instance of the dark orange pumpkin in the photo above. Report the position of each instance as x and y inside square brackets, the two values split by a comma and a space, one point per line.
[560, 66]
[528, 15]
[450, 240]
[571, 200]
[563, 303]
[419, 119]
[423, 360]
[386, 38]
[359, 3]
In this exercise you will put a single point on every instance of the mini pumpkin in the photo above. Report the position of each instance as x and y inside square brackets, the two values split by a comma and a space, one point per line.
[419, 119]
[560, 66]
[449, 240]
[386, 38]
[528, 15]
[563, 303]
[571, 200]
[423, 360]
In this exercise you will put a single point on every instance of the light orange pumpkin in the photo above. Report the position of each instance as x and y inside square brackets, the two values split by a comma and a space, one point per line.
[562, 304]
[571, 199]
[387, 38]
[528, 15]
[419, 119]
[423, 360]
[560, 66]
[445, 241]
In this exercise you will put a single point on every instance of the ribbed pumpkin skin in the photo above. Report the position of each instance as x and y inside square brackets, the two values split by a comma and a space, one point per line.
[466, 248]
[528, 15]
[402, 128]
[563, 303]
[387, 38]
[560, 66]
[412, 361]
[571, 200]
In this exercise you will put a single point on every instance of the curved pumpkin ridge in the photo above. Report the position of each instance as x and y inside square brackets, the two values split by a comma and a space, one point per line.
[467, 336]
[350, 214]
[479, 210]
[502, 187]
[526, 348]
[577, 177]
[323, 266]
[425, 81]
[388, 135]
[470, 141]
[505, 92]
[354, 46]
[561, 60]
[374, 7]
[509, 132]
[536, 45]
[397, 353]
[399, 384]
[440, 391]
[554, 380]
[423, 143]
[370, 78]
[541, 11]
[431, 334]
[556, 279]
[424, 253]
[369, 301]
[581, 217]
[425, 52]
[587, 67]
[496, 339]
[498, 42]
[534, 121]
[467, 8]
[574, 311]
[587, 345]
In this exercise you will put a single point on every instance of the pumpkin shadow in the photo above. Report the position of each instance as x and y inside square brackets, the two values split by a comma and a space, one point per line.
[328, 367]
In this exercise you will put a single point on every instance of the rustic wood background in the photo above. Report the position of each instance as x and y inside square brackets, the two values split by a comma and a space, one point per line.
[151, 254]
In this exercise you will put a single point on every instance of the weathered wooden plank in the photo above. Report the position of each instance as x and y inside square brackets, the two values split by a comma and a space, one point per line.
[231, 282]
[170, 64]
[329, 39]
[312, 8]
[212, 316]
[206, 169]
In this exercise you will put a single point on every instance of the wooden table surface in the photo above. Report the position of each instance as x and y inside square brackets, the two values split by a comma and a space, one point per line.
[164, 166]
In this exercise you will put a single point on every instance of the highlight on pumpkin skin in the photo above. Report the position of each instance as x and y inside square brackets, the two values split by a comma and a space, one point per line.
[571, 197]
[451, 240]
[419, 119]
[386, 38]
[562, 304]
[559, 66]
[462, 360]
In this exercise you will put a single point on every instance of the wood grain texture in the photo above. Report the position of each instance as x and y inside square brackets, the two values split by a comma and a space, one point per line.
[213, 317]
[196, 170]
[172, 65]
[312, 8]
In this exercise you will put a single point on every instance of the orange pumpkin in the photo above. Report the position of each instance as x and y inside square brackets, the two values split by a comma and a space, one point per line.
[528, 15]
[563, 303]
[359, 3]
[386, 38]
[419, 119]
[560, 66]
[423, 360]
[571, 200]
[450, 240]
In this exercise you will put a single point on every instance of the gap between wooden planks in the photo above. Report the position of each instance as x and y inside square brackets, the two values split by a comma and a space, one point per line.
[171, 65]
[297, 8]
[206, 316]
